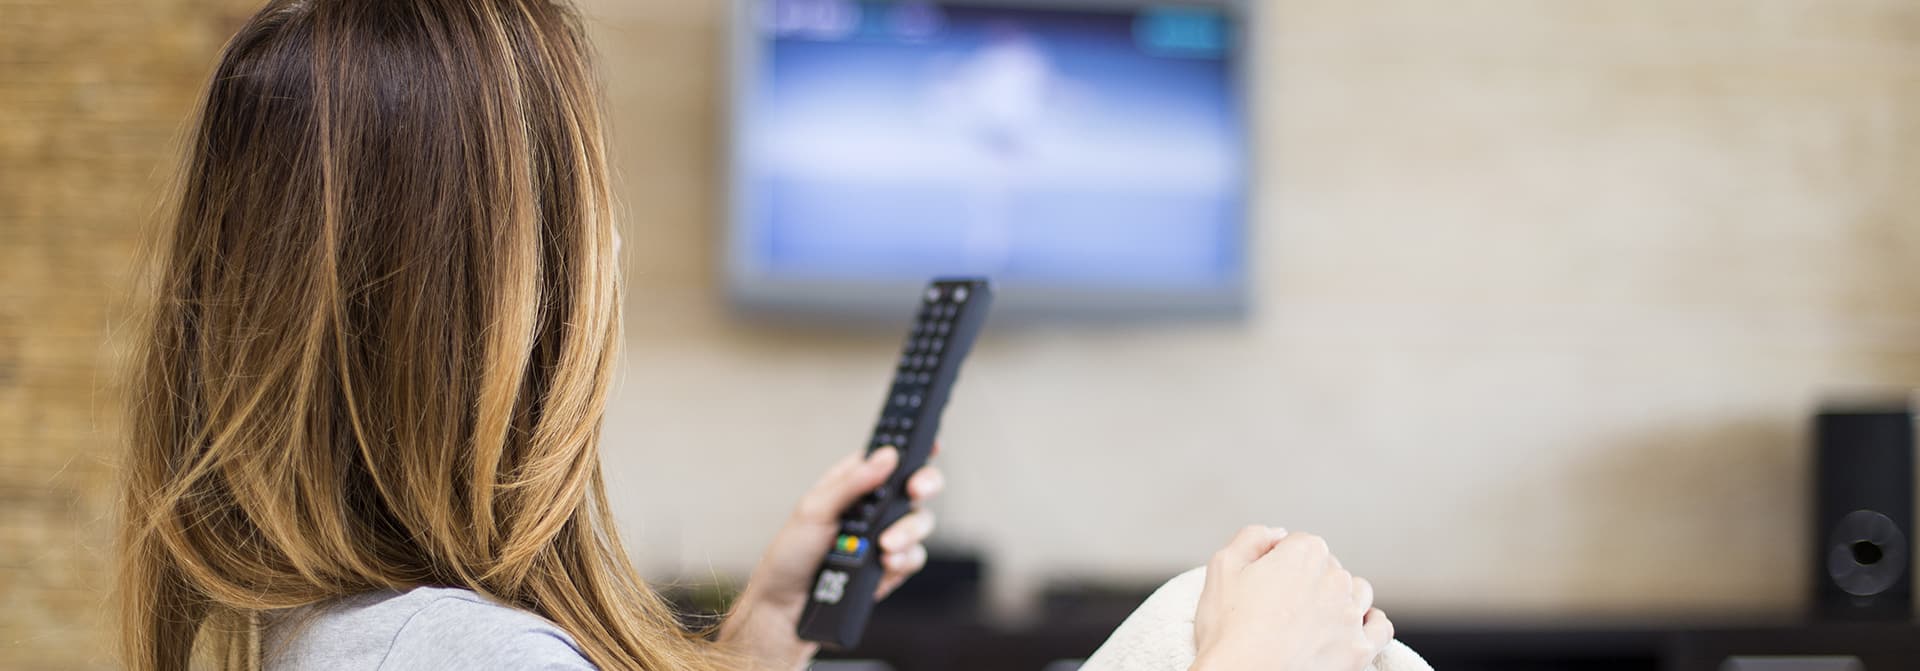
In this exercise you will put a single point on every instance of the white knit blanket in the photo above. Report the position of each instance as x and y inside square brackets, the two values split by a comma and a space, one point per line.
[1159, 636]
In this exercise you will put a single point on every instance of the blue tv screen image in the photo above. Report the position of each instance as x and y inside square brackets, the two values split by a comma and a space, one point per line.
[1079, 148]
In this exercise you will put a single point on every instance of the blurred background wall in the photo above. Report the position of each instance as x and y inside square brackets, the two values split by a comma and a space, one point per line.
[1544, 292]
[92, 93]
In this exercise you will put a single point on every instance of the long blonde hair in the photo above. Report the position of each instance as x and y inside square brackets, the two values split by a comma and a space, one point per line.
[385, 322]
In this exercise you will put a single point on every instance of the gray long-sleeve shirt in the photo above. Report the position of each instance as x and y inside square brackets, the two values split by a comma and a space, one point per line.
[427, 628]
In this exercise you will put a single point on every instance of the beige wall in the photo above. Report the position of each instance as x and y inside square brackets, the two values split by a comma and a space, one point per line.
[1544, 293]
[91, 94]
[1544, 289]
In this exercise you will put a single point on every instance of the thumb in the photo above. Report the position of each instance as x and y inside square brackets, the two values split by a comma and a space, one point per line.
[846, 482]
[1252, 543]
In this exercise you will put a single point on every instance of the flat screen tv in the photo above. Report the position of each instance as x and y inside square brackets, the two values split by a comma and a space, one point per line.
[1088, 156]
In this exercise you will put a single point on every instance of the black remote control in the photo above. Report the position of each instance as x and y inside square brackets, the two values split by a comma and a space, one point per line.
[951, 313]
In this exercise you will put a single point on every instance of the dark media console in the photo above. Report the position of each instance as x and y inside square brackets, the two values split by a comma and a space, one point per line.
[908, 641]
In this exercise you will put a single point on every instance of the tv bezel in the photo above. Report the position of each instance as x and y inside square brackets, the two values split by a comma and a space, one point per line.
[751, 290]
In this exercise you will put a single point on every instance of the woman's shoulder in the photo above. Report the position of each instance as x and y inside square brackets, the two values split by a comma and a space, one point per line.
[424, 628]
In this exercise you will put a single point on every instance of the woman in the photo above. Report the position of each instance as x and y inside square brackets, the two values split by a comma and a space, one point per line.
[366, 419]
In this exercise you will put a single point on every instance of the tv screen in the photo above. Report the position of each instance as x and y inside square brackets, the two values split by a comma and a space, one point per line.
[1089, 157]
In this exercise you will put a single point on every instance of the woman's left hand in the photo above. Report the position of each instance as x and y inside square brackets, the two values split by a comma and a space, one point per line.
[765, 617]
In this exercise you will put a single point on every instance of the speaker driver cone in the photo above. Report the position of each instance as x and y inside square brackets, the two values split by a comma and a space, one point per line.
[1866, 553]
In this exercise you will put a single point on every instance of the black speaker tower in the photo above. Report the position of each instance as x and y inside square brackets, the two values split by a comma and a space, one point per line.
[1863, 512]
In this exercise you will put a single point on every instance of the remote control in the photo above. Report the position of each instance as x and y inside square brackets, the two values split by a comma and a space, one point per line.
[951, 312]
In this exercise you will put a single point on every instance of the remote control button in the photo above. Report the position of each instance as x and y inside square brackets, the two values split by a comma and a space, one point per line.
[906, 423]
[941, 328]
[959, 294]
[899, 399]
[832, 587]
[933, 294]
[913, 401]
[924, 378]
[850, 546]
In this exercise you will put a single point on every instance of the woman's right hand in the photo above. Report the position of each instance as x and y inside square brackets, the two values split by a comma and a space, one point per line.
[1275, 600]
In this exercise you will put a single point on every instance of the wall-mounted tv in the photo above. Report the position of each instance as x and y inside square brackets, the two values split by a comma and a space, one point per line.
[1088, 155]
